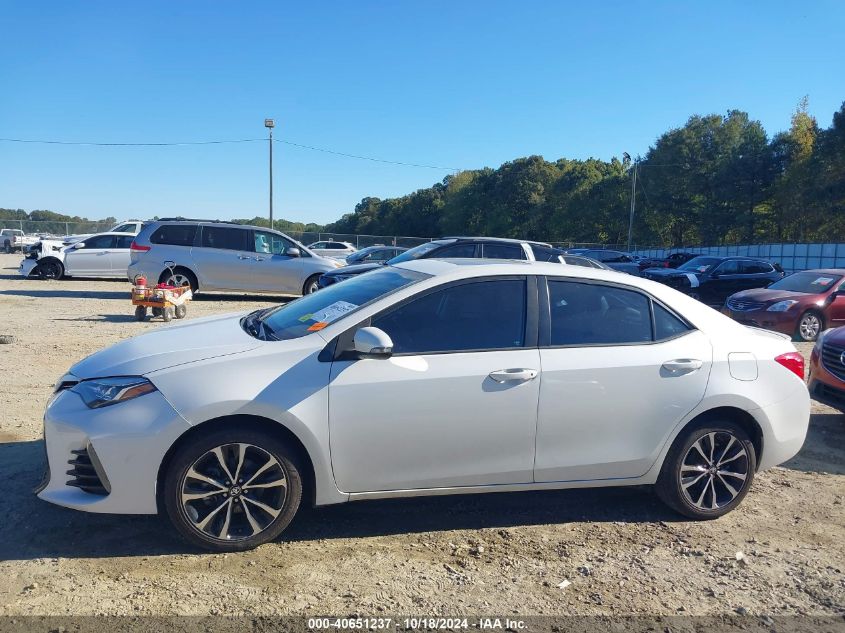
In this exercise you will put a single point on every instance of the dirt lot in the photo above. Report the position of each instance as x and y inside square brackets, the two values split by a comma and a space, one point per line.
[622, 552]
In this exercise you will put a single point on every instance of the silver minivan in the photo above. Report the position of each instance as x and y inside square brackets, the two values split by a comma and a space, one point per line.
[210, 255]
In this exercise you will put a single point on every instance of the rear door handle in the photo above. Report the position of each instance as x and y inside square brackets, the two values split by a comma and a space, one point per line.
[513, 375]
[244, 257]
[682, 364]
[259, 259]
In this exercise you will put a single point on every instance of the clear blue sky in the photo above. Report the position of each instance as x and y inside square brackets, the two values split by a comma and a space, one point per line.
[455, 83]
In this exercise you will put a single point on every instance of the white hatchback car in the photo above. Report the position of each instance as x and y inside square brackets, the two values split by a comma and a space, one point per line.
[429, 377]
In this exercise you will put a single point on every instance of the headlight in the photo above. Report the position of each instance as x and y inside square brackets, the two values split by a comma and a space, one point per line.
[338, 264]
[102, 392]
[781, 306]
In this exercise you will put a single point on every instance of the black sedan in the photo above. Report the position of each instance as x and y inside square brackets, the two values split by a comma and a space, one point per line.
[374, 254]
[714, 279]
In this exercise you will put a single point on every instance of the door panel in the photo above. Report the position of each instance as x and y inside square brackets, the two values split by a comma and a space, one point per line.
[119, 255]
[432, 421]
[606, 411]
[272, 270]
[224, 260]
[92, 259]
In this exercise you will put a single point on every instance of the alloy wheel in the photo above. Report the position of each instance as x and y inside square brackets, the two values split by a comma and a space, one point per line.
[714, 471]
[809, 326]
[234, 492]
[178, 279]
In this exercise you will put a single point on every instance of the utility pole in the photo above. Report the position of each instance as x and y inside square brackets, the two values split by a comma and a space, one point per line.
[633, 203]
[270, 124]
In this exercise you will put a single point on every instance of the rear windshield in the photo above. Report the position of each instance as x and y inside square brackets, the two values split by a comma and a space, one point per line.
[419, 251]
[700, 264]
[313, 312]
[807, 282]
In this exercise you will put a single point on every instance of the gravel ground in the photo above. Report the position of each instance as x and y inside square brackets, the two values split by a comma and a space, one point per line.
[620, 550]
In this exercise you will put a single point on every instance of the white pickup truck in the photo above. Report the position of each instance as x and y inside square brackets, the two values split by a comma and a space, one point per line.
[16, 240]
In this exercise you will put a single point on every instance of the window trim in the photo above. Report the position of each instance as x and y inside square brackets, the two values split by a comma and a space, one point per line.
[545, 314]
[340, 348]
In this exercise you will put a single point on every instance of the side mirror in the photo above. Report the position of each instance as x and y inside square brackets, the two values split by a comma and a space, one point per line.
[371, 342]
[79, 245]
[292, 252]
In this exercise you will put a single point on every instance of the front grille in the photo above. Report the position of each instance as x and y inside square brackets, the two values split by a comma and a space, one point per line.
[744, 305]
[828, 394]
[832, 359]
[85, 475]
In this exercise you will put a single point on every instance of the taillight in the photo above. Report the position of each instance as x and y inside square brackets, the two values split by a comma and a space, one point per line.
[794, 362]
[138, 248]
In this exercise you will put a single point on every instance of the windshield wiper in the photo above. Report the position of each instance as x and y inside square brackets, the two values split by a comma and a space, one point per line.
[254, 326]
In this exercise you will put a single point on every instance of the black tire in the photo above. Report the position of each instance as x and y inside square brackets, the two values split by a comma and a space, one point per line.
[183, 277]
[167, 314]
[311, 286]
[51, 269]
[671, 486]
[810, 325]
[181, 311]
[192, 454]
[157, 312]
[140, 313]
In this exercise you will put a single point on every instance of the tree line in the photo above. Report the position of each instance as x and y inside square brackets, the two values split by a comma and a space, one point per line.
[719, 179]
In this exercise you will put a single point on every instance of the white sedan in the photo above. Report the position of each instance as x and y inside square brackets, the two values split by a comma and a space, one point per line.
[428, 377]
[100, 255]
[331, 248]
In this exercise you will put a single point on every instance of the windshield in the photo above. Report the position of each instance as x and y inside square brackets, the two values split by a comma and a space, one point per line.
[419, 251]
[699, 264]
[807, 282]
[313, 312]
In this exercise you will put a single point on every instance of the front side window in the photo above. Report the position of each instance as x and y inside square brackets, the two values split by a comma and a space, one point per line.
[100, 241]
[226, 237]
[484, 315]
[730, 267]
[270, 243]
[699, 264]
[594, 314]
[175, 234]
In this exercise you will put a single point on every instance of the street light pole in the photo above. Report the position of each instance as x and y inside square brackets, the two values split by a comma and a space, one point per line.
[633, 204]
[270, 124]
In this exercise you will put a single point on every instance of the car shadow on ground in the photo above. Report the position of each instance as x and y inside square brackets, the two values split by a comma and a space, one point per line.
[824, 448]
[59, 293]
[35, 529]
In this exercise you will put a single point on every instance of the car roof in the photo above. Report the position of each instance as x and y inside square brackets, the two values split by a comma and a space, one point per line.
[506, 240]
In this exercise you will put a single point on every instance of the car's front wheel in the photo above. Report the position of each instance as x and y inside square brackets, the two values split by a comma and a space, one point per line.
[708, 470]
[311, 285]
[232, 490]
[50, 269]
[810, 325]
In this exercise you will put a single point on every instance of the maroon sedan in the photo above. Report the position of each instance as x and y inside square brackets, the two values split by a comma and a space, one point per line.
[802, 304]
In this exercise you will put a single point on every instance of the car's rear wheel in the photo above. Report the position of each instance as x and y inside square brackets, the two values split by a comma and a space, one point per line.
[180, 277]
[810, 325]
[51, 269]
[232, 490]
[311, 285]
[708, 470]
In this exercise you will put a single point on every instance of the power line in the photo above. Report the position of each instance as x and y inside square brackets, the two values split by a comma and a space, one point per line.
[224, 142]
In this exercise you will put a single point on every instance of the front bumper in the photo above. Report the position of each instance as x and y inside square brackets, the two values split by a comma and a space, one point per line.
[783, 322]
[27, 267]
[825, 387]
[124, 444]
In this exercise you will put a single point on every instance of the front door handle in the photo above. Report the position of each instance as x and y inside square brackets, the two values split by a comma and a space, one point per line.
[244, 257]
[259, 259]
[682, 364]
[513, 375]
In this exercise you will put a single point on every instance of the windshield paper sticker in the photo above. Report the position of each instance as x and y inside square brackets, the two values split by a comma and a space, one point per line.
[823, 281]
[333, 312]
[693, 280]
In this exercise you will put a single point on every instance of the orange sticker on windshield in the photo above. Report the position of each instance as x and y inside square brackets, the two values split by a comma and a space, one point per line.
[317, 326]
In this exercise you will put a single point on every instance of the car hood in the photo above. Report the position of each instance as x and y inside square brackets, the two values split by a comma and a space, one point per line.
[169, 346]
[668, 272]
[772, 296]
[354, 269]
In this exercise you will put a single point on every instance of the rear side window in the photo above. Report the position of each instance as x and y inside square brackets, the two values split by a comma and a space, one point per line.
[473, 316]
[666, 324]
[226, 237]
[594, 314]
[730, 267]
[123, 241]
[502, 251]
[175, 234]
[751, 268]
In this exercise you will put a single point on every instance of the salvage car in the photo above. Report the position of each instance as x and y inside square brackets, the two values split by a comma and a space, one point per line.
[503, 376]
[374, 254]
[802, 304]
[827, 369]
[714, 279]
[100, 255]
[617, 260]
[330, 248]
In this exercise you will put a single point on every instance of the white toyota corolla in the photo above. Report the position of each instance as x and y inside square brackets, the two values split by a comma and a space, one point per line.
[430, 377]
